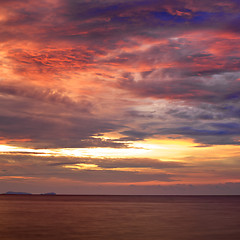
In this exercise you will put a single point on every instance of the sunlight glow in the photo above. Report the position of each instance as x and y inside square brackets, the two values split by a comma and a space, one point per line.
[12, 149]
[82, 166]
[102, 152]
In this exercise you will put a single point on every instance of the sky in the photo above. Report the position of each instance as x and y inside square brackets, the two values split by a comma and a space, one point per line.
[120, 97]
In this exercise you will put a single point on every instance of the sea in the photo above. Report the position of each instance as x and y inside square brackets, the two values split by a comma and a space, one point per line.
[67, 217]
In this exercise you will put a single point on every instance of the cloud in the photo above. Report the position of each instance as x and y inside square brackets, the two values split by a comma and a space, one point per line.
[218, 134]
[51, 126]
[40, 94]
[32, 169]
[67, 133]
[89, 74]
[137, 163]
[38, 158]
[111, 170]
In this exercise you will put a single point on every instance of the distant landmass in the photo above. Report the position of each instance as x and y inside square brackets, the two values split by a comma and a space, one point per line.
[26, 193]
[50, 193]
[17, 193]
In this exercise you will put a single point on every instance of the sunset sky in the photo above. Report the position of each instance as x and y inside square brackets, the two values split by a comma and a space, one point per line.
[120, 96]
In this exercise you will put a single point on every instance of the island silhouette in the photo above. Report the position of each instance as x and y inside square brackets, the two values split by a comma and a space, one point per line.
[26, 193]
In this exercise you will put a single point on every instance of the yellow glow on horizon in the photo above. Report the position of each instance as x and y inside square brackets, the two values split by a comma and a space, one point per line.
[166, 149]
[82, 166]
[6, 148]
[13, 149]
[163, 149]
[204, 164]
[16, 177]
[103, 152]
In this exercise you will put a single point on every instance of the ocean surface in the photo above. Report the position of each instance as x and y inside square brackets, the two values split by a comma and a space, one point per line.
[24, 217]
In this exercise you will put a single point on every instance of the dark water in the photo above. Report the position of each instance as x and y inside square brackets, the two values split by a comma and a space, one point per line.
[120, 217]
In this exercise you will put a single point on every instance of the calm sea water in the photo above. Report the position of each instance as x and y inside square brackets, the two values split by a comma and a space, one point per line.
[120, 217]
